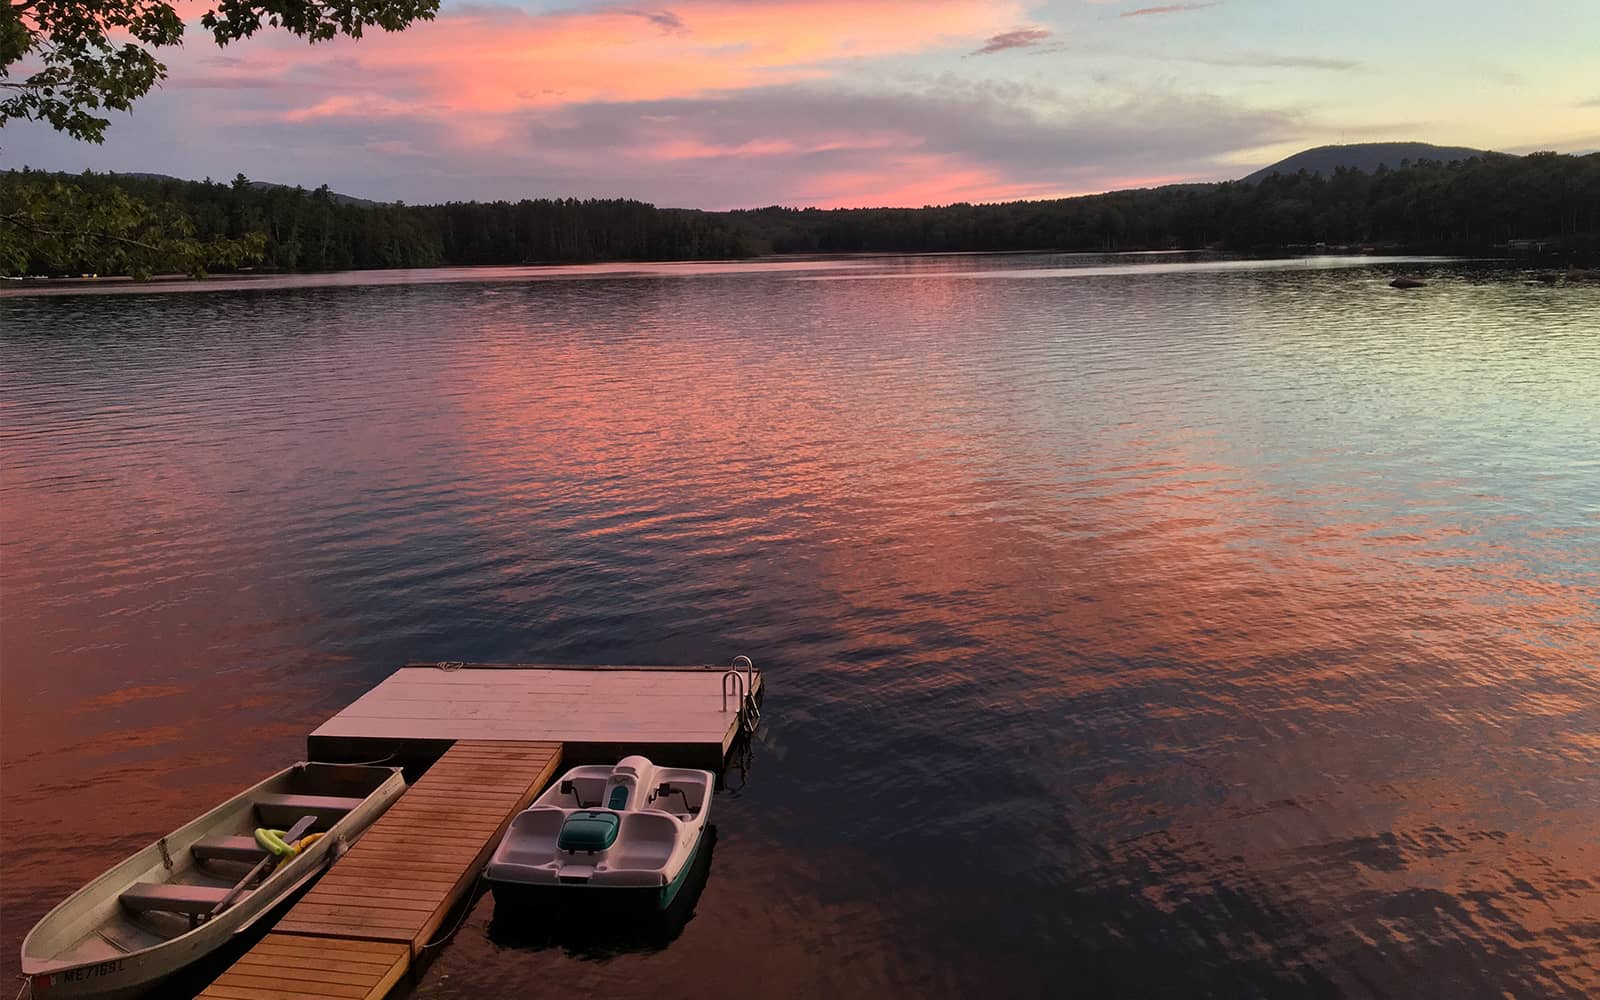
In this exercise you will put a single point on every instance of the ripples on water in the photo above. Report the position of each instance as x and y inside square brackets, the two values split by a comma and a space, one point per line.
[1142, 630]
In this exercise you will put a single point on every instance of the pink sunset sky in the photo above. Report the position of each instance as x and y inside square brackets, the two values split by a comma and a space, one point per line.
[738, 103]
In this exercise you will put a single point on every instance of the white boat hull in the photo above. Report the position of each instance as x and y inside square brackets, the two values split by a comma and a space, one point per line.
[92, 946]
[627, 833]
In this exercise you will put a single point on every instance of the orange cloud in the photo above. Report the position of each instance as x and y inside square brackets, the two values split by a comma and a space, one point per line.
[692, 149]
[916, 179]
[495, 60]
[717, 103]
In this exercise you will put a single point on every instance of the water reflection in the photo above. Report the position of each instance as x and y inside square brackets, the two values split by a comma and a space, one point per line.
[1156, 631]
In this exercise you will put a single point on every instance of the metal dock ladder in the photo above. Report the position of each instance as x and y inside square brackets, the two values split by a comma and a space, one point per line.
[742, 686]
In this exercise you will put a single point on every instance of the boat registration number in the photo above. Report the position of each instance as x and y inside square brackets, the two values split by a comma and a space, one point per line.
[80, 974]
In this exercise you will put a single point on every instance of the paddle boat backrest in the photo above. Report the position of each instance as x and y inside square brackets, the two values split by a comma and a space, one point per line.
[629, 776]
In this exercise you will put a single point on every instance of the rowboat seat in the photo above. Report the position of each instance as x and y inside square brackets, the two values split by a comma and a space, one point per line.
[191, 899]
[281, 810]
[228, 849]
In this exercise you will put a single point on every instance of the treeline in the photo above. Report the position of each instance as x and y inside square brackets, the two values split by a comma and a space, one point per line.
[1466, 206]
[323, 231]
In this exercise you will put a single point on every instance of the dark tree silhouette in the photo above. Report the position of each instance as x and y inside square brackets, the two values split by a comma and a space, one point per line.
[1467, 206]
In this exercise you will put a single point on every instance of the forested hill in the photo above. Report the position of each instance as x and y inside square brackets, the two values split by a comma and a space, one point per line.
[1367, 157]
[1466, 206]
[1472, 205]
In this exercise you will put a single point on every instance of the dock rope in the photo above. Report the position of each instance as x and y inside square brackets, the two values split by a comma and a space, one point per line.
[470, 904]
[450, 665]
[386, 758]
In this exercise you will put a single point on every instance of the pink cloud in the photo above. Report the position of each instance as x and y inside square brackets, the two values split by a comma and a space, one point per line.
[689, 148]
[727, 103]
[496, 60]
[917, 179]
[1173, 8]
[1019, 38]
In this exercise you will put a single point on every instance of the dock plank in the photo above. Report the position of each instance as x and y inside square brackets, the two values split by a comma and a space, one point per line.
[399, 923]
[372, 888]
[353, 962]
[272, 974]
[285, 942]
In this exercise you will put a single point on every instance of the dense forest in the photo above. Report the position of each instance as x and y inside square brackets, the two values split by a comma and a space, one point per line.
[301, 230]
[1471, 205]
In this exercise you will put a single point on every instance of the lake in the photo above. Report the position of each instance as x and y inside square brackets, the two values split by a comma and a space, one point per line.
[1138, 626]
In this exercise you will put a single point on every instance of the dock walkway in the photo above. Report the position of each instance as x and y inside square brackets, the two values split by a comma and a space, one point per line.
[357, 931]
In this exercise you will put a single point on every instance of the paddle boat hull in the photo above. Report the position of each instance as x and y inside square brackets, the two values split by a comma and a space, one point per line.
[601, 899]
[616, 838]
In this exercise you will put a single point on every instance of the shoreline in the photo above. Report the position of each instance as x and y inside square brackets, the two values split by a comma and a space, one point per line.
[600, 266]
[1579, 263]
[857, 266]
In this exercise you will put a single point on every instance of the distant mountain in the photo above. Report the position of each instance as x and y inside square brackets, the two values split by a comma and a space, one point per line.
[1366, 157]
[342, 199]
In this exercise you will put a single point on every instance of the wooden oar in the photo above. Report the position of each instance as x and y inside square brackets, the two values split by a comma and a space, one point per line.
[295, 833]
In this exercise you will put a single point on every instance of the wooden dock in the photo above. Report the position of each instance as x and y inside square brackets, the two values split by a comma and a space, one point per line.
[673, 715]
[359, 929]
[491, 737]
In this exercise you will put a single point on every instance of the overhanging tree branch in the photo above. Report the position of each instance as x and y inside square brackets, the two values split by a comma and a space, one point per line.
[22, 222]
[84, 64]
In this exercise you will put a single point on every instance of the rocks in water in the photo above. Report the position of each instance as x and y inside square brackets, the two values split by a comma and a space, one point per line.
[1408, 281]
[1571, 276]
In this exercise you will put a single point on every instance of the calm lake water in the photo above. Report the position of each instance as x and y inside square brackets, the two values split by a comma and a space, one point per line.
[1134, 627]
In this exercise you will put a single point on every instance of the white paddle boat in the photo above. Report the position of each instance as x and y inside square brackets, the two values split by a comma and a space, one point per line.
[627, 833]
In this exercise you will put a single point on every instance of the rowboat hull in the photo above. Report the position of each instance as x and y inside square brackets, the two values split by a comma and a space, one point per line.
[93, 945]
